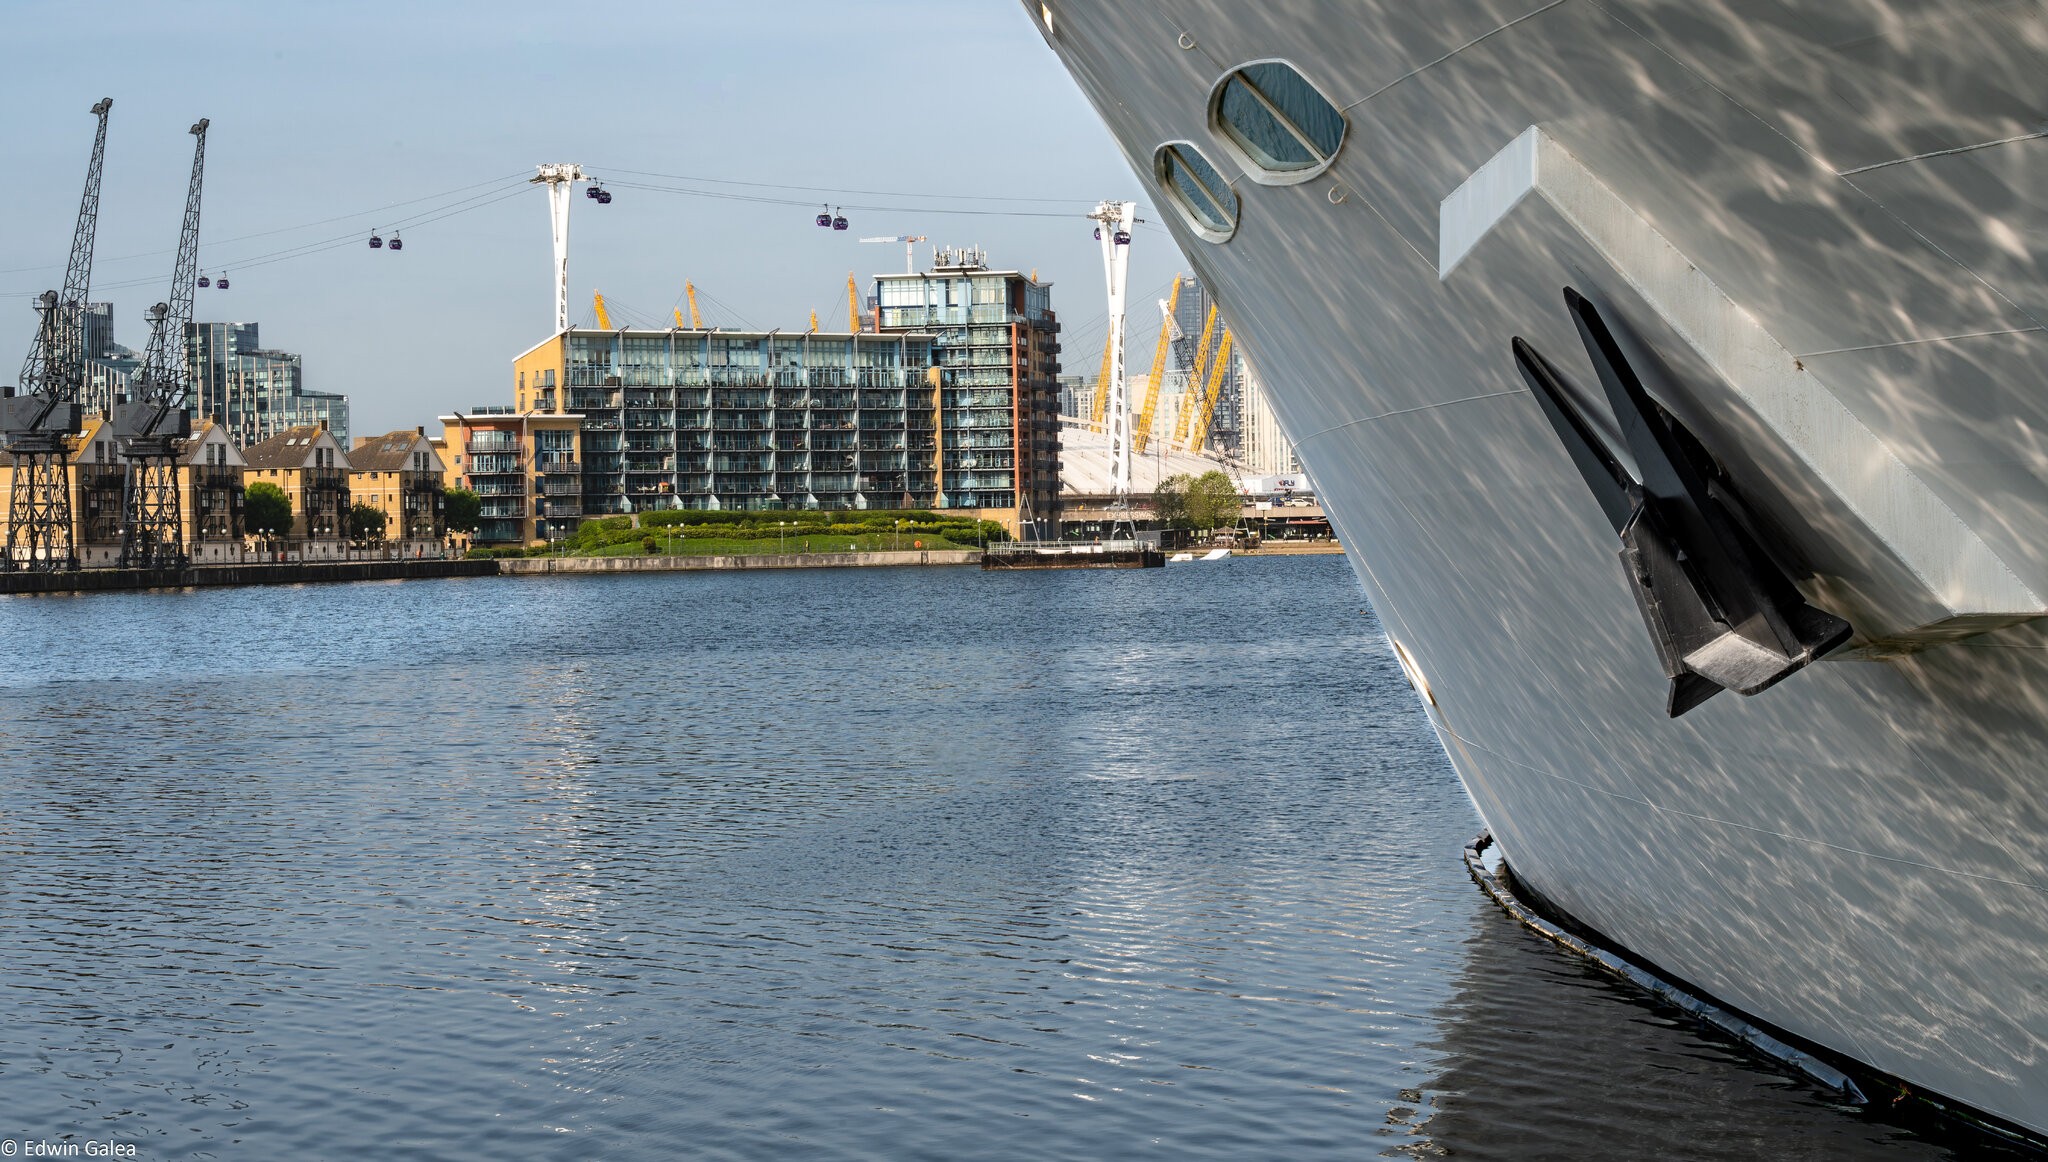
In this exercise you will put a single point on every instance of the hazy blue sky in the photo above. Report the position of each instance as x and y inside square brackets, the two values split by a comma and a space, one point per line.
[337, 111]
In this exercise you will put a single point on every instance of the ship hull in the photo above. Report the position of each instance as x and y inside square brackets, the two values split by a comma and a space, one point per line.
[1795, 216]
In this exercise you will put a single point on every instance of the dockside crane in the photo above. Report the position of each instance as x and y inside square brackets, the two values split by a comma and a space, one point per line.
[38, 416]
[150, 427]
[1141, 434]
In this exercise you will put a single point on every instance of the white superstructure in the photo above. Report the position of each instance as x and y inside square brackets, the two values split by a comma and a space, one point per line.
[1798, 391]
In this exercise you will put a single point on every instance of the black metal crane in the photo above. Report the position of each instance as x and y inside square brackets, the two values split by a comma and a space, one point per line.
[38, 417]
[151, 426]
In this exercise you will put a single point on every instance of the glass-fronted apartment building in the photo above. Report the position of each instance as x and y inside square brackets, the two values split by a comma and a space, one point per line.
[523, 468]
[253, 392]
[742, 419]
[996, 341]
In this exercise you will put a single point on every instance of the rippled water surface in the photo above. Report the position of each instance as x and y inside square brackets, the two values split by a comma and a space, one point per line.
[832, 864]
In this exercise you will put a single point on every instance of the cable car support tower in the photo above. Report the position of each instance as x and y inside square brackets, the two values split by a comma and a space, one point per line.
[38, 418]
[152, 424]
[1113, 230]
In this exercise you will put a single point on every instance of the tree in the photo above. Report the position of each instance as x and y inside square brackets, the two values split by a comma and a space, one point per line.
[366, 524]
[1170, 501]
[266, 510]
[464, 509]
[1213, 502]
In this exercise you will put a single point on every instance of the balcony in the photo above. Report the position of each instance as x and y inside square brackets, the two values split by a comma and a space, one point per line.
[216, 476]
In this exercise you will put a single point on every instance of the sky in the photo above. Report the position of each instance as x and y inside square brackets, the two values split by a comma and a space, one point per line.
[330, 120]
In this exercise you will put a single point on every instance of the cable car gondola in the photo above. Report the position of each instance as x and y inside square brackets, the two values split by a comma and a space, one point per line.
[825, 217]
[604, 197]
[205, 281]
[397, 243]
[376, 243]
[1123, 238]
[221, 283]
[838, 220]
[590, 191]
[1098, 233]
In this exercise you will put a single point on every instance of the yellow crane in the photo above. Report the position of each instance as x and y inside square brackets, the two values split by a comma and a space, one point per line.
[1141, 434]
[814, 322]
[1208, 412]
[604, 319]
[690, 291]
[679, 319]
[1186, 417]
[1100, 409]
[852, 305]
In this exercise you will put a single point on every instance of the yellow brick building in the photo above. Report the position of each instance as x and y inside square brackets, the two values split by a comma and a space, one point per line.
[400, 474]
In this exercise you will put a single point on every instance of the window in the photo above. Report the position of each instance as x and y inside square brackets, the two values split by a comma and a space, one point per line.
[1196, 190]
[1284, 127]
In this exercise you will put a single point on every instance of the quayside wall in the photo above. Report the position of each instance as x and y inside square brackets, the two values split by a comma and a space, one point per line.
[97, 580]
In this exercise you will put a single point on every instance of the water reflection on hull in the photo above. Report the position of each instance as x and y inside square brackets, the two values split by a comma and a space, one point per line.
[1547, 1057]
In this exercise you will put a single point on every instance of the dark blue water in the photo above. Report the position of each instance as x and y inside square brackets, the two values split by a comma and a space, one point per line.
[846, 864]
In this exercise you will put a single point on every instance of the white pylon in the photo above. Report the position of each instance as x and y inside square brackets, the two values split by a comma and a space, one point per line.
[560, 180]
[1113, 228]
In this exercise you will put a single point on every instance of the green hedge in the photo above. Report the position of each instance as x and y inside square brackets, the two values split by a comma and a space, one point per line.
[752, 530]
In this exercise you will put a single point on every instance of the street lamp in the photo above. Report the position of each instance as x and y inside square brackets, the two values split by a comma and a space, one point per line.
[781, 545]
[899, 535]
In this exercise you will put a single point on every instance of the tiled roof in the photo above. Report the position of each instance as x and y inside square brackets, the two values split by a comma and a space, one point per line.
[287, 449]
[390, 452]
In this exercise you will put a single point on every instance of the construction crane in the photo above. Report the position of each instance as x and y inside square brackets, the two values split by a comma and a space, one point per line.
[1217, 370]
[690, 292]
[852, 305]
[1141, 433]
[909, 255]
[604, 318]
[151, 425]
[1188, 402]
[38, 418]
